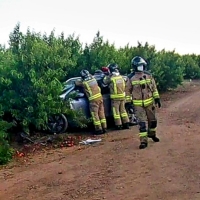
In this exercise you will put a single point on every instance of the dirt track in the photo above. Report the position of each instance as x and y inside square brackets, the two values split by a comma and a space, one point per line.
[116, 169]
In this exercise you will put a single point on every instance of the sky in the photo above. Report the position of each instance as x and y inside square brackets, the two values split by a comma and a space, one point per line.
[166, 24]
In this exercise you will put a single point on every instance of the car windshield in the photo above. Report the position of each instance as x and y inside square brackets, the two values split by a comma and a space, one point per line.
[69, 84]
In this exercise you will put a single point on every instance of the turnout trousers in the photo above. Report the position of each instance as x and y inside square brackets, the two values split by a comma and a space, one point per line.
[119, 112]
[147, 122]
[98, 115]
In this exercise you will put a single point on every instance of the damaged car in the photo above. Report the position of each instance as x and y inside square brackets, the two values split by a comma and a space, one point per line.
[78, 101]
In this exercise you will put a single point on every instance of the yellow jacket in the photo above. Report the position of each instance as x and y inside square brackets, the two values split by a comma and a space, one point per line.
[141, 89]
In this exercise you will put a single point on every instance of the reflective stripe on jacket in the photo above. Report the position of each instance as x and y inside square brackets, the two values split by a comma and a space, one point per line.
[141, 89]
[92, 89]
[117, 86]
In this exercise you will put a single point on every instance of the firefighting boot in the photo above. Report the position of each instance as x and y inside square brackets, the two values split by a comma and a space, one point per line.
[155, 139]
[118, 127]
[104, 130]
[98, 132]
[126, 126]
[143, 145]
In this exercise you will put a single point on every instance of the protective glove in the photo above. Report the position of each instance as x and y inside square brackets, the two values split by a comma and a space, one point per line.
[157, 102]
[104, 85]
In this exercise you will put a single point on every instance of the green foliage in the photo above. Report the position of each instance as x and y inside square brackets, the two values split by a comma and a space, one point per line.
[78, 118]
[97, 54]
[191, 66]
[6, 152]
[167, 68]
[32, 70]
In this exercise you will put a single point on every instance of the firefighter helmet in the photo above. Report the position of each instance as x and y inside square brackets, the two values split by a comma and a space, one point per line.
[113, 67]
[138, 63]
[84, 74]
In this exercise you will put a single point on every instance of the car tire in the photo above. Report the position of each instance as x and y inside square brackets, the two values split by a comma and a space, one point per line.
[57, 124]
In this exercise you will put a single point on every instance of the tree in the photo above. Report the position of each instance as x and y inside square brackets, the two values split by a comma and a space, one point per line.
[191, 66]
[167, 68]
[31, 74]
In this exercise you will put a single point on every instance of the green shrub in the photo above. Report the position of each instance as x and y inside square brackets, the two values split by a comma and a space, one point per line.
[32, 70]
[6, 152]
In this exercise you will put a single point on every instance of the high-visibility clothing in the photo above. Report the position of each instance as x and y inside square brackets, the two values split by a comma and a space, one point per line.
[117, 94]
[98, 115]
[141, 89]
[119, 112]
[93, 93]
[92, 89]
[117, 86]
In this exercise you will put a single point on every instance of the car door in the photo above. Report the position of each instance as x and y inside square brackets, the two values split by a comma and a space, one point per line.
[79, 102]
[107, 105]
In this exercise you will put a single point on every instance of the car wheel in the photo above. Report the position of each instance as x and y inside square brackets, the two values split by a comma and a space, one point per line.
[57, 124]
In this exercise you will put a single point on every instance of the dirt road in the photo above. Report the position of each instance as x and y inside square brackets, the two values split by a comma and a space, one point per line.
[116, 169]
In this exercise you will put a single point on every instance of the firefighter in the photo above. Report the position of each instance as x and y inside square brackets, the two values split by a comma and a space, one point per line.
[93, 92]
[116, 85]
[142, 90]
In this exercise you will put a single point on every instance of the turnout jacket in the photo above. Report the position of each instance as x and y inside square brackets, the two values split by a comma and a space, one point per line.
[91, 88]
[116, 85]
[141, 89]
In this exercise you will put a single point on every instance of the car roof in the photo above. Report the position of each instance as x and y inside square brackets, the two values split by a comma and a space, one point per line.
[72, 79]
